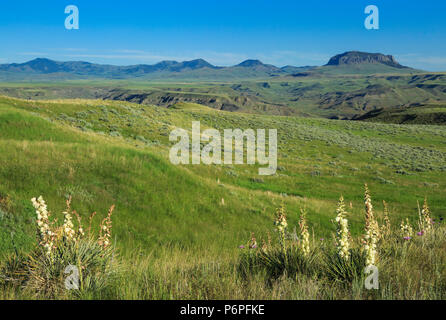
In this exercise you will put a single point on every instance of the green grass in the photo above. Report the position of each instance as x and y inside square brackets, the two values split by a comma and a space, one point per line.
[170, 219]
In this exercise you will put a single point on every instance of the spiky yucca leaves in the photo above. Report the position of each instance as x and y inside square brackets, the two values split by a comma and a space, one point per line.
[13, 270]
[280, 260]
[342, 233]
[274, 263]
[42, 273]
[45, 273]
[345, 270]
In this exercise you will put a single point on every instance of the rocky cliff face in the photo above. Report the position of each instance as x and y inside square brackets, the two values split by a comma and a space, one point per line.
[356, 57]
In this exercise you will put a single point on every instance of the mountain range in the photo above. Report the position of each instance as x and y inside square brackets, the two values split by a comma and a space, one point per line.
[349, 62]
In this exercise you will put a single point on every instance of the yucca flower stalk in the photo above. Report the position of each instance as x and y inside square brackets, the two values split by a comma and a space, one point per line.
[46, 235]
[406, 230]
[80, 229]
[425, 220]
[90, 221]
[281, 224]
[342, 239]
[268, 245]
[264, 245]
[253, 242]
[105, 230]
[386, 228]
[68, 226]
[305, 235]
[371, 230]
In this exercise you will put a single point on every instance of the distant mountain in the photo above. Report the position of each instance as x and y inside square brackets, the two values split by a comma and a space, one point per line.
[251, 63]
[356, 62]
[46, 66]
[194, 69]
[352, 62]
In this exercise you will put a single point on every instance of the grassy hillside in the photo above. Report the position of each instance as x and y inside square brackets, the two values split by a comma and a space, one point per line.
[434, 113]
[113, 152]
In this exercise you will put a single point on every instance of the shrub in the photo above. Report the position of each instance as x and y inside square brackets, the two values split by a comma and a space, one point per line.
[44, 271]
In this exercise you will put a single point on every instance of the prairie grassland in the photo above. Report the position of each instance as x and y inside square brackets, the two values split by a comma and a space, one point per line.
[278, 267]
[174, 235]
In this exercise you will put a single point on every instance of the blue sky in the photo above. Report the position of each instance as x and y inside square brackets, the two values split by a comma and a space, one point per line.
[223, 32]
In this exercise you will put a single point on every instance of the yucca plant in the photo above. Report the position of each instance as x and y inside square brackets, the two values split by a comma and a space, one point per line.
[12, 271]
[345, 270]
[46, 273]
[275, 263]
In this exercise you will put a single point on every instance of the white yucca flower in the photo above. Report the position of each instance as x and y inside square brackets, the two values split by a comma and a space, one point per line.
[280, 221]
[342, 240]
[371, 231]
[68, 226]
[406, 230]
[425, 218]
[45, 233]
[305, 235]
[106, 228]
[370, 246]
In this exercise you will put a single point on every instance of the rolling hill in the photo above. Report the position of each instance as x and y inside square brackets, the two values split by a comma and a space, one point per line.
[416, 113]
[178, 228]
[105, 152]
